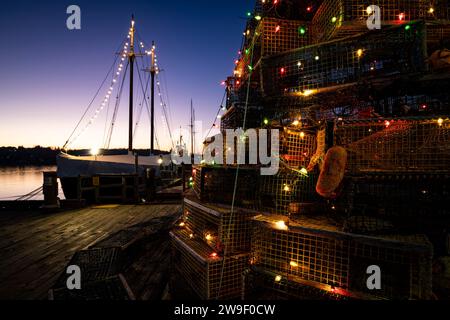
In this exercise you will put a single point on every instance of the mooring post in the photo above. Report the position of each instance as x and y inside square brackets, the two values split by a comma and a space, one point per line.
[50, 190]
[150, 184]
[136, 162]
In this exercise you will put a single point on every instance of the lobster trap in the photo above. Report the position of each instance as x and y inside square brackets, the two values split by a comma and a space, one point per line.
[287, 191]
[310, 70]
[208, 274]
[319, 255]
[219, 226]
[234, 117]
[277, 35]
[438, 35]
[216, 184]
[417, 144]
[96, 264]
[404, 199]
[114, 288]
[341, 18]
[260, 284]
[100, 274]
[301, 146]
[292, 10]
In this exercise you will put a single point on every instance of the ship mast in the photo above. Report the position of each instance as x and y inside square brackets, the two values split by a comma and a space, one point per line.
[152, 102]
[131, 58]
[153, 71]
[192, 132]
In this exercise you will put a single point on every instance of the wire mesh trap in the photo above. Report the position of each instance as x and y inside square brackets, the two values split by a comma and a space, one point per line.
[277, 35]
[260, 285]
[234, 117]
[421, 144]
[321, 256]
[208, 274]
[298, 146]
[337, 19]
[218, 226]
[114, 288]
[95, 264]
[404, 199]
[216, 184]
[100, 276]
[285, 192]
[309, 70]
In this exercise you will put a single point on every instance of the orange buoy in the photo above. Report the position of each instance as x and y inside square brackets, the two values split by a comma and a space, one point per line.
[332, 172]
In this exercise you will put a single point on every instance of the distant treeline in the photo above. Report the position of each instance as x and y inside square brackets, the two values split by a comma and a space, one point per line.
[37, 156]
[41, 156]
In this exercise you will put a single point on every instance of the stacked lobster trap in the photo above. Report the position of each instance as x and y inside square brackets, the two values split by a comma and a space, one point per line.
[395, 145]
[310, 70]
[211, 248]
[363, 157]
[277, 35]
[210, 276]
[337, 19]
[315, 253]
[397, 174]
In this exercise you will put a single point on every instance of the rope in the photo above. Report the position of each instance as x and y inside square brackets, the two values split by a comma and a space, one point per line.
[95, 97]
[29, 195]
[215, 118]
[106, 122]
[116, 107]
[143, 100]
[236, 177]
[165, 112]
[166, 90]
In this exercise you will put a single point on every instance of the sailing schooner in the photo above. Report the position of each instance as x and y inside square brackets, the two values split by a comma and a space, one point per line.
[70, 167]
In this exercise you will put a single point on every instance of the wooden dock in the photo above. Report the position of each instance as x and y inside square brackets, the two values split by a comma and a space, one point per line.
[35, 247]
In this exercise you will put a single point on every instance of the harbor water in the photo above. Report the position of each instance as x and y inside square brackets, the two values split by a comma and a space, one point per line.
[18, 181]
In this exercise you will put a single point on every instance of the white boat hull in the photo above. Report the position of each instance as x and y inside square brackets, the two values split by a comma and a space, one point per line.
[69, 168]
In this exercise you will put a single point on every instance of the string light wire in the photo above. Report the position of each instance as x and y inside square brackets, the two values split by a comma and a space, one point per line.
[247, 97]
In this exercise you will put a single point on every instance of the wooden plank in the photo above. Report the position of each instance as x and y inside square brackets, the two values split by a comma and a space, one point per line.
[37, 248]
[80, 229]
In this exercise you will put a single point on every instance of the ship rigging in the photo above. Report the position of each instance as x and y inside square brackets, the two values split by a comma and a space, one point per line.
[70, 167]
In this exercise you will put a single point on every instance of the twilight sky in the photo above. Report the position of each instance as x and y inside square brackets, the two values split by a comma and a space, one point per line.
[49, 74]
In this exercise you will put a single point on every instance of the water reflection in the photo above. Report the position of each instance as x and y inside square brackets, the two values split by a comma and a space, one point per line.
[17, 181]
